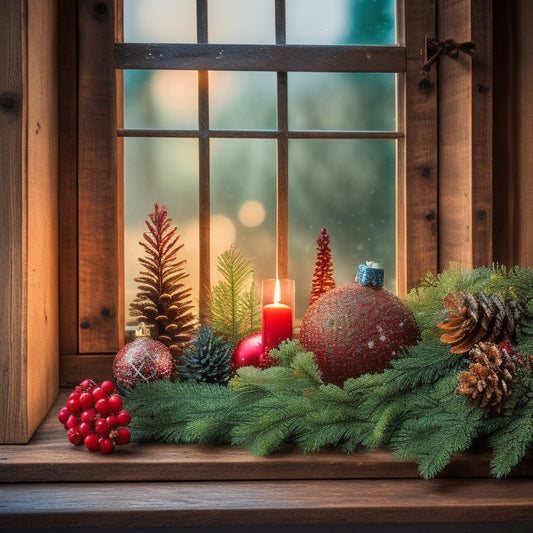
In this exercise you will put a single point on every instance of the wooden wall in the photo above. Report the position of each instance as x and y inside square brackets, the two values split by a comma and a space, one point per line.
[28, 216]
[513, 132]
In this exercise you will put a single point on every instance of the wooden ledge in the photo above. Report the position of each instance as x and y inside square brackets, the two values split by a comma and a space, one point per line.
[49, 481]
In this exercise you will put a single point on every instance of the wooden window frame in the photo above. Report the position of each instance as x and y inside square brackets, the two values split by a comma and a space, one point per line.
[86, 319]
[431, 232]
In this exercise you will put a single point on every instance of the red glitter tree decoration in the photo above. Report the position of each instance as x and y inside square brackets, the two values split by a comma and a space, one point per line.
[323, 280]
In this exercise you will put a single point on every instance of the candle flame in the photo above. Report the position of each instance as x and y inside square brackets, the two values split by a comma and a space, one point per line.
[277, 293]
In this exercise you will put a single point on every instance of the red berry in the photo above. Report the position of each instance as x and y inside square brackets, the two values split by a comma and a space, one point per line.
[86, 400]
[102, 406]
[88, 415]
[112, 421]
[123, 436]
[107, 386]
[74, 405]
[106, 445]
[100, 426]
[123, 418]
[87, 384]
[63, 414]
[72, 422]
[115, 402]
[74, 436]
[91, 442]
[98, 394]
[85, 429]
[74, 394]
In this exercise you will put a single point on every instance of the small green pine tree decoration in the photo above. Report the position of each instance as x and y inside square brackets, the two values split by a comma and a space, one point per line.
[235, 307]
[323, 280]
[163, 299]
[207, 360]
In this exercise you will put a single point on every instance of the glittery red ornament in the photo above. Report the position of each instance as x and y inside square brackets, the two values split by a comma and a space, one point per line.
[356, 329]
[143, 360]
[248, 351]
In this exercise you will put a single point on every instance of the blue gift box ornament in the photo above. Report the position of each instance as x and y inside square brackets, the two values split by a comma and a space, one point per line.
[370, 274]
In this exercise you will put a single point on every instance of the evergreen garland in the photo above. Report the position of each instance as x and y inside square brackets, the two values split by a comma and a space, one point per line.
[412, 407]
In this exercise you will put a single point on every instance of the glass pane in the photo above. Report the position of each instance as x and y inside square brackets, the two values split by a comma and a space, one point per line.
[341, 22]
[243, 202]
[241, 21]
[162, 99]
[160, 21]
[348, 187]
[163, 171]
[242, 100]
[342, 101]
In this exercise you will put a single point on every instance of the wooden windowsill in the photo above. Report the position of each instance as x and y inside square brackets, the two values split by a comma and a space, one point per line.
[49, 481]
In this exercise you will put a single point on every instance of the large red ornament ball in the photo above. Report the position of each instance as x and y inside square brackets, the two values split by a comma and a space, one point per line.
[248, 351]
[142, 360]
[356, 329]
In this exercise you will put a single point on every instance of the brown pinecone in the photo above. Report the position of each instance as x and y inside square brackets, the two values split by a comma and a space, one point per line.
[471, 319]
[490, 376]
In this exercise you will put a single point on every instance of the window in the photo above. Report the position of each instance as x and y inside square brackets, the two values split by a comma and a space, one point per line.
[286, 119]
[92, 186]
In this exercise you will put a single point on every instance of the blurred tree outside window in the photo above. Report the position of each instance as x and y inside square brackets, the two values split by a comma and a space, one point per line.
[346, 185]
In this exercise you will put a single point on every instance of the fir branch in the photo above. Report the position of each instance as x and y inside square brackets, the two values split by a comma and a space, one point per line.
[164, 411]
[235, 308]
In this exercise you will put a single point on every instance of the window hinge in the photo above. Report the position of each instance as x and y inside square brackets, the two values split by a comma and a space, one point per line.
[434, 48]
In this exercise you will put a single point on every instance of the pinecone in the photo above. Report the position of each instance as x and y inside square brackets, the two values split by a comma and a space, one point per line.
[208, 359]
[163, 300]
[471, 319]
[490, 376]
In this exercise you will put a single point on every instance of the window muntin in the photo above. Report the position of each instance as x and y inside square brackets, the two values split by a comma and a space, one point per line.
[287, 133]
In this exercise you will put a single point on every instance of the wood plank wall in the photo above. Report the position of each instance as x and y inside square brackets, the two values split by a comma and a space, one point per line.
[465, 136]
[513, 132]
[29, 373]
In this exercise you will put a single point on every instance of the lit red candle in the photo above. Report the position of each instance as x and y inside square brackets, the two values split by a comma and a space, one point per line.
[277, 322]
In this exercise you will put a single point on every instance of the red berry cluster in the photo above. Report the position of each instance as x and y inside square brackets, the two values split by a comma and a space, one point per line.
[94, 415]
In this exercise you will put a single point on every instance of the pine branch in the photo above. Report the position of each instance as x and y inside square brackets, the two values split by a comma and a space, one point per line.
[235, 310]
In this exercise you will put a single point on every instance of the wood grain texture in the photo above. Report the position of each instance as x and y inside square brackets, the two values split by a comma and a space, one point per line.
[277, 58]
[266, 502]
[416, 211]
[42, 211]
[13, 111]
[523, 115]
[100, 271]
[68, 176]
[465, 137]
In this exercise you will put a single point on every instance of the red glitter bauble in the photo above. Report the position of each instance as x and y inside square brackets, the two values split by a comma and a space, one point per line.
[356, 329]
[248, 351]
[142, 360]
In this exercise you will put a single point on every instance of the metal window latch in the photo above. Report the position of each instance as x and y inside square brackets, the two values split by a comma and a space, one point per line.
[434, 48]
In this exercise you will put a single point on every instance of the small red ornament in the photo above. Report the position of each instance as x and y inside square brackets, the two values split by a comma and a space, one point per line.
[356, 329]
[143, 360]
[248, 351]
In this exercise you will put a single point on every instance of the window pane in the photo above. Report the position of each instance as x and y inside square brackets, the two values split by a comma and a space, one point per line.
[163, 171]
[341, 22]
[241, 21]
[161, 99]
[160, 21]
[242, 100]
[348, 187]
[243, 201]
[342, 101]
